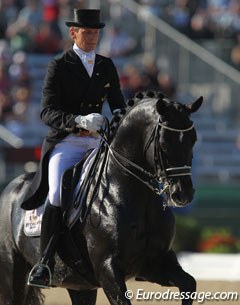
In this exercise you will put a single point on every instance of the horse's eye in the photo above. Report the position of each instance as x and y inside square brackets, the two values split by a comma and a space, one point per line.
[164, 146]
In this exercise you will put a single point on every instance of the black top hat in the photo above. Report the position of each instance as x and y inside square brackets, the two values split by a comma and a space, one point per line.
[86, 18]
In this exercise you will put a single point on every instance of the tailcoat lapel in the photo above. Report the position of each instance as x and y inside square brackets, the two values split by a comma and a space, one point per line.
[76, 66]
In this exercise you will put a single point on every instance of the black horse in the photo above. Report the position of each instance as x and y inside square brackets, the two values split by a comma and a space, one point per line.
[129, 227]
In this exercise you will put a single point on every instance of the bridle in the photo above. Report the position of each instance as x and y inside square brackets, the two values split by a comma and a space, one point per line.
[165, 173]
[159, 181]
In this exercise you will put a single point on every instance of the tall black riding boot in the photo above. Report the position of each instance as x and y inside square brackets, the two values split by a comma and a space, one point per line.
[41, 273]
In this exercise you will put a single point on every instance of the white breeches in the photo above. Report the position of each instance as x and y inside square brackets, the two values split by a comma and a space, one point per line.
[64, 155]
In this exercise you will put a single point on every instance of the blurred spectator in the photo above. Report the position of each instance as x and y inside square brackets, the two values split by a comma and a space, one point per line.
[220, 17]
[5, 52]
[3, 21]
[21, 96]
[18, 70]
[21, 86]
[238, 142]
[5, 82]
[150, 70]
[180, 16]
[167, 85]
[8, 14]
[5, 105]
[216, 8]
[47, 40]
[153, 6]
[50, 10]
[132, 81]
[15, 90]
[235, 13]
[145, 77]
[115, 43]
[200, 27]
[23, 30]
[235, 53]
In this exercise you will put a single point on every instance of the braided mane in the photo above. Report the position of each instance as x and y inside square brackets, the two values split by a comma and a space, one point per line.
[120, 113]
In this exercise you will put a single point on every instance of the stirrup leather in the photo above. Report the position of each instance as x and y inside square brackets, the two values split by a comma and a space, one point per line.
[49, 274]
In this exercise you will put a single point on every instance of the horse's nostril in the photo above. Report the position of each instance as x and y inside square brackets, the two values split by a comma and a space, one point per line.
[176, 198]
[182, 198]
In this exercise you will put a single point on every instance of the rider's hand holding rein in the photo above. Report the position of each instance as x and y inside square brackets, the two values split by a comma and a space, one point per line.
[92, 122]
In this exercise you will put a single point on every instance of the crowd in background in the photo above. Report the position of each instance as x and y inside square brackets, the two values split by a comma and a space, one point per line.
[33, 26]
[203, 19]
[38, 26]
[199, 18]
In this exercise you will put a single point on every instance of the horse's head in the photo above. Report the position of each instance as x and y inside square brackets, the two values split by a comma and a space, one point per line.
[154, 143]
[175, 140]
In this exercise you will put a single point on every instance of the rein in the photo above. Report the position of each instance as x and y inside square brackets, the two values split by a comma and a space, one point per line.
[158, 182]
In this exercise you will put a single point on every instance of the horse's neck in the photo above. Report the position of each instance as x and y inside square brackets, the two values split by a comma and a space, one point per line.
[128, 141]
[128, 161]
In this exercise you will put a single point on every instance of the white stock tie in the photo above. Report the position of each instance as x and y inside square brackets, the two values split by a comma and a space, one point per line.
[86, 58]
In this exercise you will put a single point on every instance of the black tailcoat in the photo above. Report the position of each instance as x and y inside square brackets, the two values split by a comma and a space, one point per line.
[68, 91]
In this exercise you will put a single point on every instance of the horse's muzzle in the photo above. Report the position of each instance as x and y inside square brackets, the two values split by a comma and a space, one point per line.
[180, 198]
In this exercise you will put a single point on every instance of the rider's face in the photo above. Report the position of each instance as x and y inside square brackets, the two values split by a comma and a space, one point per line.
[85, 38]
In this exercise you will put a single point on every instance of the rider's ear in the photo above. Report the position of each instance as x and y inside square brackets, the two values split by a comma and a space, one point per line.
[193, 107]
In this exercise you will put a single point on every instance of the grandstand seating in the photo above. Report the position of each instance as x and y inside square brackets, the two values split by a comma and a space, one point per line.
[218, 159]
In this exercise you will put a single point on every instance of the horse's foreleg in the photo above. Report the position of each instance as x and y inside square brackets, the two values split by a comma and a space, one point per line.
[113, 282]
[85, 297]
[166, 271]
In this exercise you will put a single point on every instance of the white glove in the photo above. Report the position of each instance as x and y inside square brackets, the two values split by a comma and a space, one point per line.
[91, 122]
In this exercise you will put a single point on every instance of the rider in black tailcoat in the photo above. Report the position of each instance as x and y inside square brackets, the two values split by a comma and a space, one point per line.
[72, 98]
[74, 93]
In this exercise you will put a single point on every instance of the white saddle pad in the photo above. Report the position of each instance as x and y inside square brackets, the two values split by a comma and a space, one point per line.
[33, 221]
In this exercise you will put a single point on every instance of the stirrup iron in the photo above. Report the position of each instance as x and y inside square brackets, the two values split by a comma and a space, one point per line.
[49, 274]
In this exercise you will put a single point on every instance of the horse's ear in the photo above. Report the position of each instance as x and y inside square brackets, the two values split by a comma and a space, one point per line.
[193, 107]
[161, 107]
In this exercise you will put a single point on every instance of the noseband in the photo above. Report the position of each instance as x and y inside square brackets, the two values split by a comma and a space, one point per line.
[160, 181]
